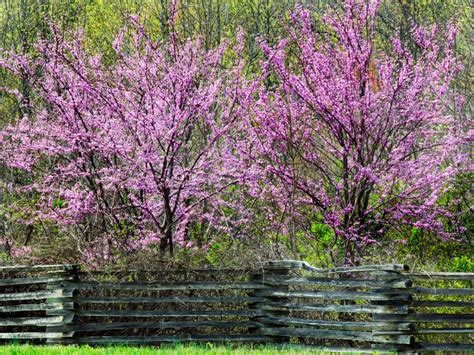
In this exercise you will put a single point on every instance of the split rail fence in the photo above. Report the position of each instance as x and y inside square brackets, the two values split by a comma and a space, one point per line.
[383, 307]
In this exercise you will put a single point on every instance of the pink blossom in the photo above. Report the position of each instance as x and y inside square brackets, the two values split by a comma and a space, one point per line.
[367, 138]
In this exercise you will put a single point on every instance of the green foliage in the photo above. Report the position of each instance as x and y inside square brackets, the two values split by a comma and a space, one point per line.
[59, 203]
[459, 199]
[322, 233]
[414, 239]
[123, 228]
[214, 253]
[462, 264]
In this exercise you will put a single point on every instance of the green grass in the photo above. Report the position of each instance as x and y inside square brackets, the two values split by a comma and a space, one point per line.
[178, 349]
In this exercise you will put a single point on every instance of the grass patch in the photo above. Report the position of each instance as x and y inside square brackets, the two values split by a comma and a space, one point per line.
[178, 349]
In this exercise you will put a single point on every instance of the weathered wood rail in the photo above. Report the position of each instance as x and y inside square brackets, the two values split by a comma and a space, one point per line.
[374, 307]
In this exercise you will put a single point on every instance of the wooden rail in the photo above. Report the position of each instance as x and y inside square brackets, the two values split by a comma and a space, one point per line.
[368, 307]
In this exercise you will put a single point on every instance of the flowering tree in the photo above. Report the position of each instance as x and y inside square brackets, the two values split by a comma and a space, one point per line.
[366, 140]
[134, 149]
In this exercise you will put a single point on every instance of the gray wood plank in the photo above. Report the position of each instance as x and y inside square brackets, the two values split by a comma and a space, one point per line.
[433, 304]
[31, 335]
[453, 276]
[135, 300]
[332, 282]
[36, 307]
[152, 286]
[451, 347]
[33, 321]
[33, 280]
[171, 339]
[334, 295]
[140, 313]
[34, 295]
[338, 325]
[444, 331]
[338, 334]
[319, 333]
[366, 308]
[22, 268]
[90, 327]
[298, 264]
[429, 318]
[431, 291]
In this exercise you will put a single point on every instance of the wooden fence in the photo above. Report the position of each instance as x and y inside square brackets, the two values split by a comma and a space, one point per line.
[368, 307]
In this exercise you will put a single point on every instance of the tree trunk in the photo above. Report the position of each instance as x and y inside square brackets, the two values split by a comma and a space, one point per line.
[167, 240]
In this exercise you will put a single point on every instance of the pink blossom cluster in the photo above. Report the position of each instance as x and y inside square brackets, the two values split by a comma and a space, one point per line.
[369, 141]
[139, 144]
[151, 144]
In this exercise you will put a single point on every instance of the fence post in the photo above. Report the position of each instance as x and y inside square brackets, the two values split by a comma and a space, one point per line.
[392, 329]
[270, 305]
[63, 305]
